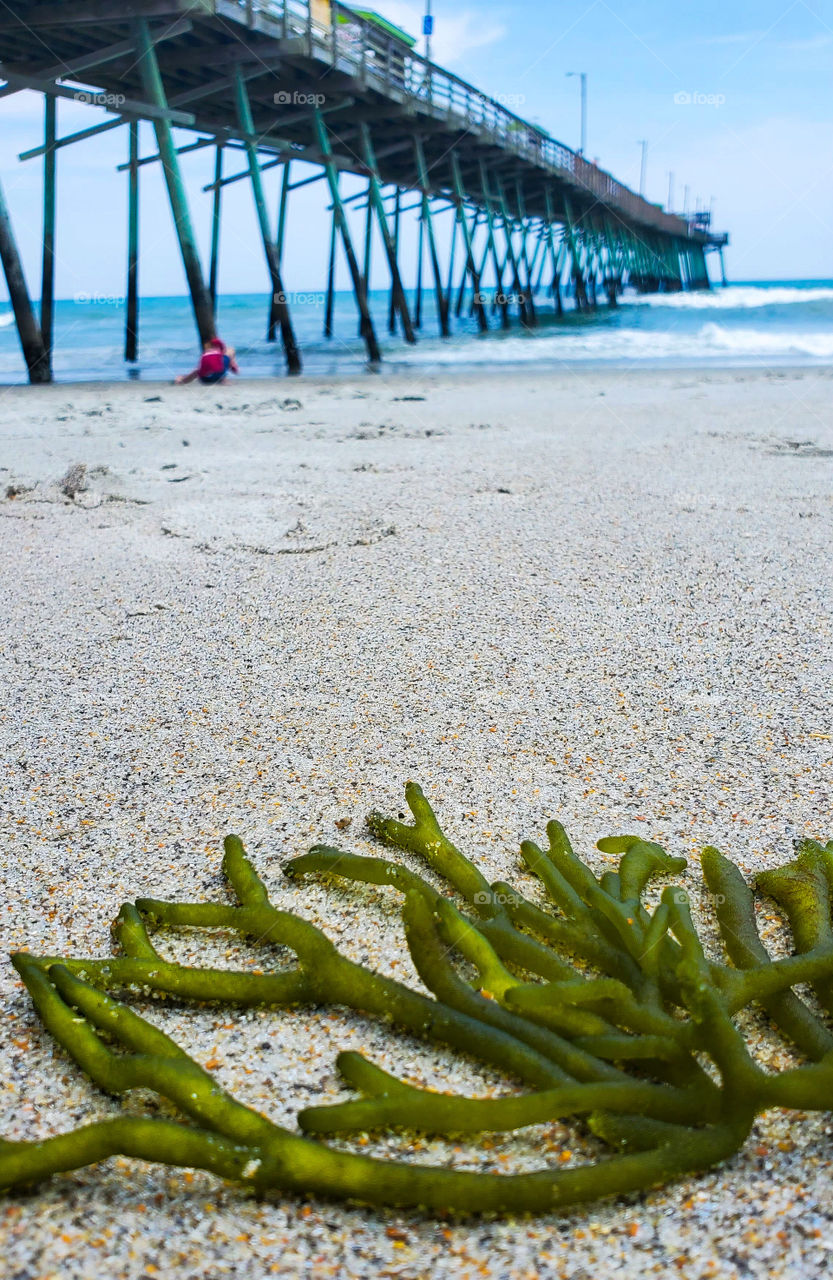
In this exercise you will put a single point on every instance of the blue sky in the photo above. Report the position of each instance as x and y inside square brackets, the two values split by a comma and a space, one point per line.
[755, 134]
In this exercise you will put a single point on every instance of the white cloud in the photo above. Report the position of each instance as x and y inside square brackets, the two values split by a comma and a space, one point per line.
[804, 44]
[734, 37]
[455, 35]
[822, 40]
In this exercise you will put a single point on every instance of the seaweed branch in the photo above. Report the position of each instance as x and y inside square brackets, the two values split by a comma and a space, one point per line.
[592, 1004]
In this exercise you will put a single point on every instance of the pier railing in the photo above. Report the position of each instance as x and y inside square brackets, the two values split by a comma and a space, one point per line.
[335, 34]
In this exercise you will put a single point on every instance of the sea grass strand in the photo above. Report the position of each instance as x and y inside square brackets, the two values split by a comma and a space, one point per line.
[427, 838]
[735, 910]
[390, 1103]
[508, 942]
[802, 889]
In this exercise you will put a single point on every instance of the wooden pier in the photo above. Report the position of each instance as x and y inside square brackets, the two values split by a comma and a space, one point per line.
[270, 83]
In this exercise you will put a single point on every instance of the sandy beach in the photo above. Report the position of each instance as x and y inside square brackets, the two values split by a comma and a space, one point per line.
[598, 596]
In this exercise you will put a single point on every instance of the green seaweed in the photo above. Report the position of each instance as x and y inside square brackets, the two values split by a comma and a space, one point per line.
[592, 1003]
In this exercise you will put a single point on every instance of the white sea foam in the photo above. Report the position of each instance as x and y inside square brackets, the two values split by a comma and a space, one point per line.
[6, 319]
[710, 341]
[735, 297]
[760, 342]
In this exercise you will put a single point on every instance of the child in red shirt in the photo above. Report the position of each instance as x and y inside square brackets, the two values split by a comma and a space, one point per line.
[217, 361]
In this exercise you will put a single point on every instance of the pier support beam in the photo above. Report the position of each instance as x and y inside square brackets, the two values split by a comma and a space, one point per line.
[420, 258]
[428, 221]
[590, 246]
[524, 255]
[471, 265]
[539, 258]
[368, 242]
[674, 281]
[376, 205]
[555, 256]
[155, 91]
[452, 254]
[701, 271]
[274, 309]
[558, 267]
[469, 238]
[464, 277]
[131, 333]
[47, 301]
[575, 259]
[329, 309]
[484, 262]
[397, 218]
[31, 339]
[501, 297]
[615, 258]
[270, 249]
[331, 277]
[368, 331]
[633, 259]
[216, 222]
[598, 259]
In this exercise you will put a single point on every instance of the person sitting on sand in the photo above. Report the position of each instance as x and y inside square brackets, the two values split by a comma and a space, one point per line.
[217, 361]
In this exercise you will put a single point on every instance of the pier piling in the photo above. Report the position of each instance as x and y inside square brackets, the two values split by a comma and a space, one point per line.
[131, 334]
[47, 306]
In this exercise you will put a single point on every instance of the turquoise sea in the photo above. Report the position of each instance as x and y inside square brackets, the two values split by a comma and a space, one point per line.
[782, 322]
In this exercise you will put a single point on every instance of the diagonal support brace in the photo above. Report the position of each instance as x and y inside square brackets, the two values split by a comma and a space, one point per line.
[244, 113]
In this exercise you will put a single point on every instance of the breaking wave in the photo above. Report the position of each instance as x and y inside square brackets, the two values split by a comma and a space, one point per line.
[710, 341]
[734, 298]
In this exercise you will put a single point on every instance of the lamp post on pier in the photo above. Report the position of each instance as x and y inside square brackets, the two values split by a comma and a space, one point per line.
[428, 29]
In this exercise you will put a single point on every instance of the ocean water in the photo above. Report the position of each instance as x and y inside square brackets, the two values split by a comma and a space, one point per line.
[786, 322]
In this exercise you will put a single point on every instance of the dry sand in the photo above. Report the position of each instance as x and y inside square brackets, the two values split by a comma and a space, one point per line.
[603, 597]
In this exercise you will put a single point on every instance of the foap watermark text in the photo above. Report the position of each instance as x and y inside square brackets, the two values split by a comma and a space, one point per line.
[697, 99]
[286, 99]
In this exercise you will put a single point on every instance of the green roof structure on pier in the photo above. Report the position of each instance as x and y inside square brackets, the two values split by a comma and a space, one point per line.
[370, 15]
